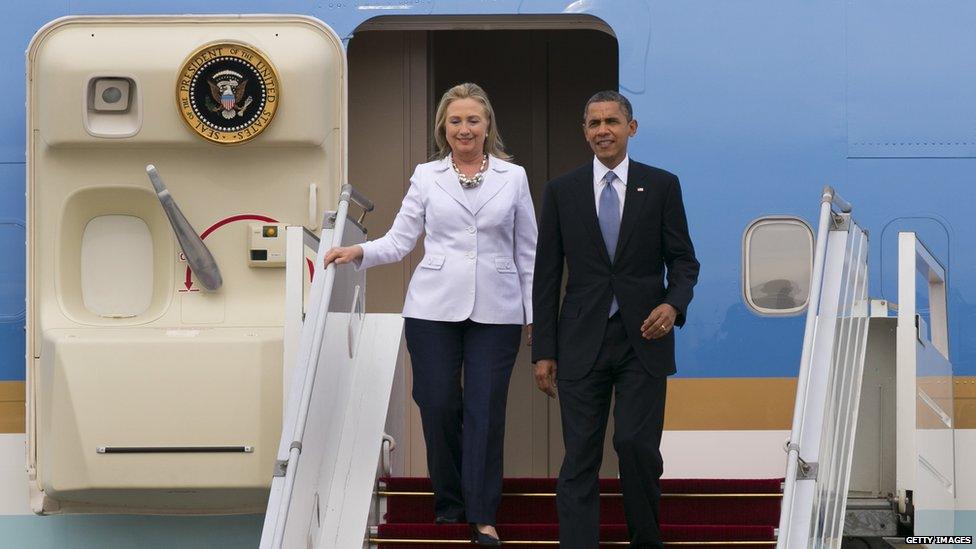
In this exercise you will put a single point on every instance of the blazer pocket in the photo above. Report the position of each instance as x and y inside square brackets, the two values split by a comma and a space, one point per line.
[570, 310]
[432, 261]
[505, 264]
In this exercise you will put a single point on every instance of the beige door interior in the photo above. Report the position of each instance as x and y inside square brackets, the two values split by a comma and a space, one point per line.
[538, 81]
[148, 392]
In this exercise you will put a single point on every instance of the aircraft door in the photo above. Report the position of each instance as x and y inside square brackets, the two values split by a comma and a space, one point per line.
[154, 373]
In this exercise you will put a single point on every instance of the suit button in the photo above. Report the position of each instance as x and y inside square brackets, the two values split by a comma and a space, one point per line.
[471, 255]
[471, 230]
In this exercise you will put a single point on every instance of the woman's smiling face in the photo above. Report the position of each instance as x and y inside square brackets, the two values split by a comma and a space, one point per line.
[466, 126]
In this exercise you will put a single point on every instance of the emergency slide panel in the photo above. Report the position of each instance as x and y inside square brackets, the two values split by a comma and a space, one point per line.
[925, 445]
[336, 409]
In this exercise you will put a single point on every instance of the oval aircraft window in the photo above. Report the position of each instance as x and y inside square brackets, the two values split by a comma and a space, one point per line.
[117, 266]
[777, 263]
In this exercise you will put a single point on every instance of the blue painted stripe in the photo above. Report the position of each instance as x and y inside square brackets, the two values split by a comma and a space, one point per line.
[12, 347]
[126, 531]
[966, 523]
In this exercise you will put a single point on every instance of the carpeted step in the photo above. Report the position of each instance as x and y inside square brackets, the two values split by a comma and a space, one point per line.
[609, 485]
[685, 501]
[740, 513]
[608, 532]
[706, 509]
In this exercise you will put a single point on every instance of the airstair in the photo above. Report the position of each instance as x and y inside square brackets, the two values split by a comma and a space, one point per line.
[871, 452]
[870, 455]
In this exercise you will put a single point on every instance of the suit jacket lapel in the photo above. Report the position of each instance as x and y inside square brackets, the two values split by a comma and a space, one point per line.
[633, 204]
[447, 180]
[495, 181]
[586, 202]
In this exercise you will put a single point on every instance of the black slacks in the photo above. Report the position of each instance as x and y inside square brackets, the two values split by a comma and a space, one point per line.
[638, 416]
[464, 434]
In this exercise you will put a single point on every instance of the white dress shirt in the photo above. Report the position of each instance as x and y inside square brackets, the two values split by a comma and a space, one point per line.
[479, 246]
[619, 182]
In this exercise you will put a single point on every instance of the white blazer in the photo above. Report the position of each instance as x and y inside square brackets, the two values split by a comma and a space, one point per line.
[478, 258]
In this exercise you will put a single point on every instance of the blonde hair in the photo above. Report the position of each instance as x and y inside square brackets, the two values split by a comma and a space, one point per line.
[493, 141]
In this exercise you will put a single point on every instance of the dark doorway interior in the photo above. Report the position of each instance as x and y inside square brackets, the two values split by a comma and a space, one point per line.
[538, 82]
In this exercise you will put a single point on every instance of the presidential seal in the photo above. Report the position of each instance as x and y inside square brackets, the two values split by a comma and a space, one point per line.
[227, 92]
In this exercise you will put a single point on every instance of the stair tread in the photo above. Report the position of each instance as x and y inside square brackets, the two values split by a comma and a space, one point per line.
[762, 511]
[608, 532]
[692, 511]
[609, 485]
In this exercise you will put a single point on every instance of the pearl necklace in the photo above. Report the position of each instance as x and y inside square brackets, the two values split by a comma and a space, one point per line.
[474, 180]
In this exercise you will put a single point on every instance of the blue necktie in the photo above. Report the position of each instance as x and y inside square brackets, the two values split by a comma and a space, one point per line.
[609, 215]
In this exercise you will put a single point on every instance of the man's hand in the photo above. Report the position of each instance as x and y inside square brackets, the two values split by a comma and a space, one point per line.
[343, 255]
[545, 376]
[660, 322]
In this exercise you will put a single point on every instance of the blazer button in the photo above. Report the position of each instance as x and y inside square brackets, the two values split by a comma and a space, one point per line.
[471, 230]
[471, 255]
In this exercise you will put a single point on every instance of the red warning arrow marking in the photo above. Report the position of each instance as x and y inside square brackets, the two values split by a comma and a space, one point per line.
[242, 217]
[188, 282]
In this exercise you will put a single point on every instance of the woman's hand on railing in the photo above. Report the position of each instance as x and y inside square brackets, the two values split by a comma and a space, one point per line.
[343, 255]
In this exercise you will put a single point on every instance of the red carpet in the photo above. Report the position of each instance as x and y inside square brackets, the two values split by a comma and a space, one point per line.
[692, 510]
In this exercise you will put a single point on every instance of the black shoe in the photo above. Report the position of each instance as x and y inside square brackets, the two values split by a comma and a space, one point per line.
[447, 520]
[479, 538]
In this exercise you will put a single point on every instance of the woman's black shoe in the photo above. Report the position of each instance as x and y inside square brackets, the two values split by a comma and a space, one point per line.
[482, 539]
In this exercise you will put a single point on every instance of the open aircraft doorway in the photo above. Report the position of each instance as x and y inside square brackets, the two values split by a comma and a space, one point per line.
[538, 72]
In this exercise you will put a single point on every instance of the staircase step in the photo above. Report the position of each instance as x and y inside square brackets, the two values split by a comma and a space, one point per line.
[541, 509]
[532, 501]
[732, 535]
[609, 485]
[741, 513]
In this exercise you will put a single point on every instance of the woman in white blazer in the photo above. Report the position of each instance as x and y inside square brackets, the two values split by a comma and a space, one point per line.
[467, 301]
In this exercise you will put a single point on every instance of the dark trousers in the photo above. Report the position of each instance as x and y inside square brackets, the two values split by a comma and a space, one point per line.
[464, 435]
[638, 416]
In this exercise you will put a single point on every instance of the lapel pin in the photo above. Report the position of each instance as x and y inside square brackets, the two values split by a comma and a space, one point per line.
[640, 189]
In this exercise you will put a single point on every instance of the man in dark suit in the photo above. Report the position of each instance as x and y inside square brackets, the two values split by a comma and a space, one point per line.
[620, 227]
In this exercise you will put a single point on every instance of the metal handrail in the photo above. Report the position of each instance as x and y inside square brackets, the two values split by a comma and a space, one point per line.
[346, 194]
[828, 199]
[835, 199]
[349, 193]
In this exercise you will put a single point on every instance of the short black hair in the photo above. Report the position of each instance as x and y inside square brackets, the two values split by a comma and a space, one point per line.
[610, 95]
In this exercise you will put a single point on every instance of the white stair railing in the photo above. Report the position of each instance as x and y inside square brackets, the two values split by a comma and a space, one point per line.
[820, 449]
[925, 448]
[337, 404]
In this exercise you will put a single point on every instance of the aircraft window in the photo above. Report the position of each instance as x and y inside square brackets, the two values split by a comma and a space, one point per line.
[777, 263]
[117, 266]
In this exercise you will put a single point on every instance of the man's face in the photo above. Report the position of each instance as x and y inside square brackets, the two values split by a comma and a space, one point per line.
[607, 130]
